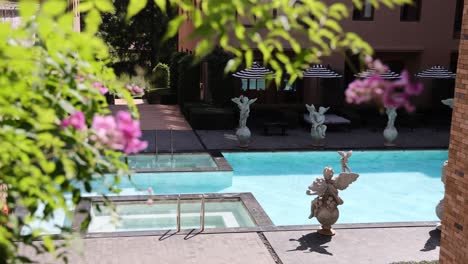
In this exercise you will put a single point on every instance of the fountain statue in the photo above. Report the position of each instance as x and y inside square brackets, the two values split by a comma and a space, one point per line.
[317, 118]
[390, 133]
[448, 102]
[325, 206]
[243, 133]
[440, 205]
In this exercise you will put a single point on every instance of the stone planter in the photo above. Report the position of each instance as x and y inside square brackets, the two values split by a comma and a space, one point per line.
[390, 134]
[243, 136]
[327, 216]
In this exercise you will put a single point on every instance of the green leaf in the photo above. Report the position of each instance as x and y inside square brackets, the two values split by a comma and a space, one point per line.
[92, 21]
[105, 6]
[173, 27]
[54, 8]
[161, 4]
[85, 6]
[27, 9]
[134, 7]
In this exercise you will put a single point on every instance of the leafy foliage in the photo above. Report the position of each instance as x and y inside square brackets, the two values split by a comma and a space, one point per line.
[47, 73]
[272, 27]
[161, 76]
[137, 41]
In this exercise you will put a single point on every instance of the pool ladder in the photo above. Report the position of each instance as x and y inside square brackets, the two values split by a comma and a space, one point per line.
[202, 213]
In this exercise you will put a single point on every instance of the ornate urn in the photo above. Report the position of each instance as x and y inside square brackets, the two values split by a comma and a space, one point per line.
[390, 133]
[243, 132]
[243, 136]
[318, 128]
[440, 205]
[325, 206]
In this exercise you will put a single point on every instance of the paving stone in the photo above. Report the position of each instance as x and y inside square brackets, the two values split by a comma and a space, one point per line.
[234, 248]
[357, 246]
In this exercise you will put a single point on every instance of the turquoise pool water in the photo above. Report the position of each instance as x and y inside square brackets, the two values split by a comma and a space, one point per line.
[393, 186]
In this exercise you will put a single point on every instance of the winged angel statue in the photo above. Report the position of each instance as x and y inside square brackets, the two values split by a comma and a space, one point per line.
[317, 118]
[325, 206]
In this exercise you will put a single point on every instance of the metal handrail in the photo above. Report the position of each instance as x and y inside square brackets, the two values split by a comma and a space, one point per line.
[202, 214]
[178, 213]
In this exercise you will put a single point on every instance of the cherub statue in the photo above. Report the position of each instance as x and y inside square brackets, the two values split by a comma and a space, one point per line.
[344, 160]
[392, 114]
[243, 102]
[318, 121]
[325, 206]
[390, 133]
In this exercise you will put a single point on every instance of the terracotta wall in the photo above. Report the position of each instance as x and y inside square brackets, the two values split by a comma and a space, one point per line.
[454, 244]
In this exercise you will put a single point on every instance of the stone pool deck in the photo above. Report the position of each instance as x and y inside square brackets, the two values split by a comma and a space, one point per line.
[350, 245]
[296, 139]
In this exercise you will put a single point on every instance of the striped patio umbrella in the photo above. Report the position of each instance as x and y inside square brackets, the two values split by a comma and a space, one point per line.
[320, 71]
[255, 72]
[436, 72]
[389, 75]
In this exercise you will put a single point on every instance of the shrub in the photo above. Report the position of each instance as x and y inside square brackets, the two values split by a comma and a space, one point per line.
[54, 122]
[160, 76]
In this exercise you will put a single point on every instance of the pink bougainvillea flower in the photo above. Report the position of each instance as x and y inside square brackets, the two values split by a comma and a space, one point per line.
[383, 92]
[119, 133]
[137, 89]
[134, 89]
[75, 120]
[377, 65]
[107, 133]
[362, 91]
[102, 89]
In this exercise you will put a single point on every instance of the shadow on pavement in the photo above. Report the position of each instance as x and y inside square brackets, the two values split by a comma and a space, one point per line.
[433, 242]
[313, 242]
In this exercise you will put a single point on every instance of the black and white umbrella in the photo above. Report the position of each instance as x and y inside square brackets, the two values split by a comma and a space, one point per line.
[255, 72]
[436, 72]
[320, 71]
[388, 75]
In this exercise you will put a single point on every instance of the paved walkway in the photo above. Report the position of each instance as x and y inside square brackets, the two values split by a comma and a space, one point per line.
[239, 248]
[161, 117]
[357, 246]
[352, 139]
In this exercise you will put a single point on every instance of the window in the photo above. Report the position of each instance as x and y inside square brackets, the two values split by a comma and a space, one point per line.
[458, 19]
[411, 12]
[253, 84]
[364, 14]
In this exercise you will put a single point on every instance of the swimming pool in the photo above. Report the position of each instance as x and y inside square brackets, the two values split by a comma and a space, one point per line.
[394, 186]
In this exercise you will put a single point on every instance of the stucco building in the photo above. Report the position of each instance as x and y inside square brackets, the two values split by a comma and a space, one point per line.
[411, 37]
